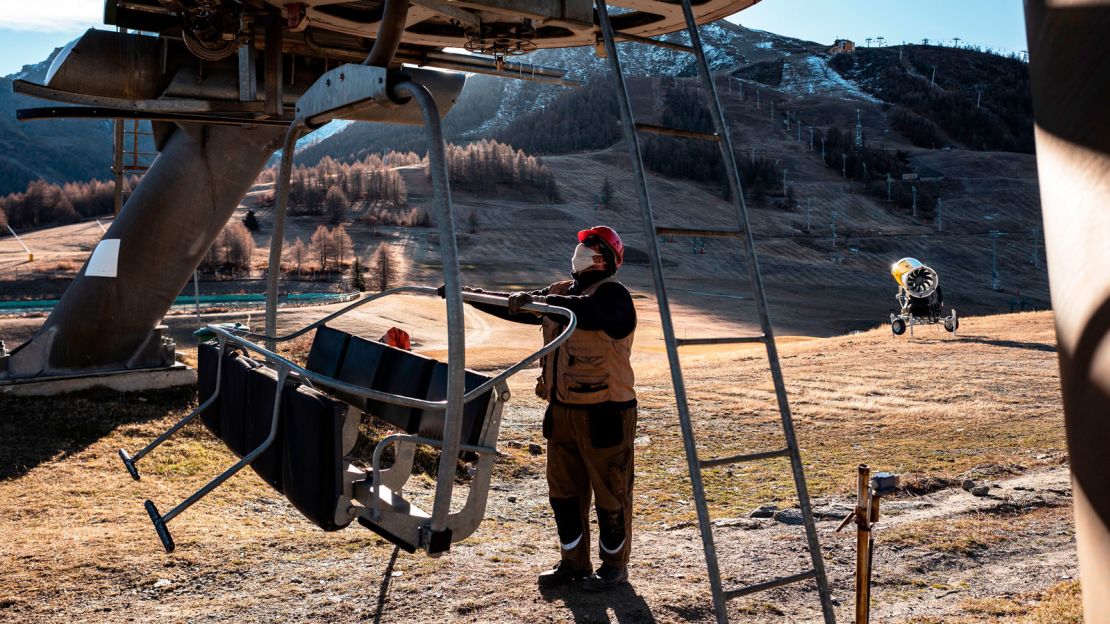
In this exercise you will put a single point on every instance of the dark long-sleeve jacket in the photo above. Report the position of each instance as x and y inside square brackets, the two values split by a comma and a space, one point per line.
[608, 309]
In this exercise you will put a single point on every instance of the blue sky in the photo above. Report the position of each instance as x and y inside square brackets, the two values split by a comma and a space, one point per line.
[28, 34]
[997, 24]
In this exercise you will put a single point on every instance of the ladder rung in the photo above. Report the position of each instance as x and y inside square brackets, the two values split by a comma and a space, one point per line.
[758, 587]
[736, 459]
[678, 132]
[678, 47]
[684, 342]
[668, 231]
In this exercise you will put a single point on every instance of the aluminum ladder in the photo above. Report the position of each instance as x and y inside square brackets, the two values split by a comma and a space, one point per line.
[743, 232]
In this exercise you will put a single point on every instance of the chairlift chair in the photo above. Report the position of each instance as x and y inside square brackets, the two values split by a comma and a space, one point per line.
[293, 424]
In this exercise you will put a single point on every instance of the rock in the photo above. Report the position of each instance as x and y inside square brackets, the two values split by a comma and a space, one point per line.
[764, 511]
[832, 511]
[535, 449]
[789, 516]
[512, 499]
[968, 484]
[643, 440]
[980, 490]
[160, 583]
[514, 444]
[739, 523]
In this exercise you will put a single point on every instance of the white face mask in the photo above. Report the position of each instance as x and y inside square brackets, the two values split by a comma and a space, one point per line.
[583, 258]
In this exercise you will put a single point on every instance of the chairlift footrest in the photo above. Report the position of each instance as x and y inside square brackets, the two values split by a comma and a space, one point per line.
[129, 464]
[159, 526]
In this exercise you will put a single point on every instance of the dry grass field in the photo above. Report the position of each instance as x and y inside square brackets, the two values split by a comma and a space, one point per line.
[984, 405]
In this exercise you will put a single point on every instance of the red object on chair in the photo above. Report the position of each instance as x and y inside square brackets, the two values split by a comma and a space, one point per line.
[397, 337]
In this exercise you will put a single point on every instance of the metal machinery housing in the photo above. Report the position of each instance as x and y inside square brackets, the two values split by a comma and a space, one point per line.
[920, 298]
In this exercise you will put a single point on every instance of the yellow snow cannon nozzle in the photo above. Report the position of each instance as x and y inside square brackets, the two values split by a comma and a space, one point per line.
[899, 269]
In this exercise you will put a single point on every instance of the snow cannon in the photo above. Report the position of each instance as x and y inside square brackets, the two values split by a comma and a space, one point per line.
[920, 299]
[916, 278]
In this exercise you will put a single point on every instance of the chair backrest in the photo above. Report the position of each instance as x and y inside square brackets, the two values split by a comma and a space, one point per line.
[377, 366]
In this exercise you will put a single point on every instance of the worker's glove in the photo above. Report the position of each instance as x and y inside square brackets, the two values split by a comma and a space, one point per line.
[518, 301]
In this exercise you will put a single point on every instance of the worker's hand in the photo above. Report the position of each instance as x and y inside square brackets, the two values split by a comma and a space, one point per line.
[518, 301]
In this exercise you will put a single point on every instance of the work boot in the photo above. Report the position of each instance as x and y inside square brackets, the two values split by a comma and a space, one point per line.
[562, 574]
[606, 578]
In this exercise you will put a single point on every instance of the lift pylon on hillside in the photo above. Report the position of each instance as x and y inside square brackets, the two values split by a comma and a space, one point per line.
[742, 232]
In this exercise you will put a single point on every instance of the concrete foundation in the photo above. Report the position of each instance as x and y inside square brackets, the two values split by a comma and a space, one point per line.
[121, 381]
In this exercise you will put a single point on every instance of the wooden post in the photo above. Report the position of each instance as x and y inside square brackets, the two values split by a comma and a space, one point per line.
[863, 545]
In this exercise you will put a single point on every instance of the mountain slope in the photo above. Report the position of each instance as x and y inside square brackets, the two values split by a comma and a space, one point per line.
[56, 150]
[979, 99]
[489, 105]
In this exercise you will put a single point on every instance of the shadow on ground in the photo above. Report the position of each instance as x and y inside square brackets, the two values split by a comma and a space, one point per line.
[1011, 344]
[627, 606]
[34, 430]
[1008, 344]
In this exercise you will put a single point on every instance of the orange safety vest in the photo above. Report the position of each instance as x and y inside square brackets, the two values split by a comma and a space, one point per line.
[590, 367]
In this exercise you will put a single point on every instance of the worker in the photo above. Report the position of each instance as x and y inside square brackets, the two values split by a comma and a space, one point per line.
[590, 421]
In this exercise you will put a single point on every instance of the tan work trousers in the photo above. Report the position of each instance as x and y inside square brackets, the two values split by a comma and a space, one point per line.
[590, 451]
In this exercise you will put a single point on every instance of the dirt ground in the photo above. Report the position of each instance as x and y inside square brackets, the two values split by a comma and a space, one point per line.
[983, 406]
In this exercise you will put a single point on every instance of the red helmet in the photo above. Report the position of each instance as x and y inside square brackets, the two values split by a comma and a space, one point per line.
[608, 236]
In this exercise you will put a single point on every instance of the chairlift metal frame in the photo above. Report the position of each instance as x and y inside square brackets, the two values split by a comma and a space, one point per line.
[343, 92]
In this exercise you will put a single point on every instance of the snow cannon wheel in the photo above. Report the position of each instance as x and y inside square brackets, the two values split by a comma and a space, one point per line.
[898, 326]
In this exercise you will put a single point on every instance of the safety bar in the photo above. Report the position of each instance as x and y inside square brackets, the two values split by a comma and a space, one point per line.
[129, 460]
[396, 399]
[160, 521]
